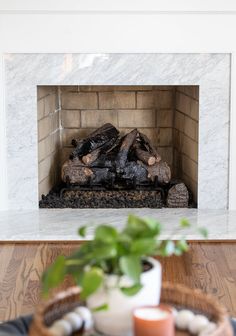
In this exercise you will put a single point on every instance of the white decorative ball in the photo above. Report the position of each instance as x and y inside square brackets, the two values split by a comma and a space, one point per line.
[183, 318]
[198, 323]
[74, 319]
[86, 316]
[61, 328]
[209, 329]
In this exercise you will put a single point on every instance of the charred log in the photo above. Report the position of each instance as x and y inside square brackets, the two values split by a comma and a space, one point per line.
[146, 143]
[135, 172]
[122, 155]
[75, 172]
[145, 156]
[159, 170]
[93, 156]
[178, 196]
[95, 140]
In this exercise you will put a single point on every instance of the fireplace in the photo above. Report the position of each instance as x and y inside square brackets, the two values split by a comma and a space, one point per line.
[191, 132]
[167, 116]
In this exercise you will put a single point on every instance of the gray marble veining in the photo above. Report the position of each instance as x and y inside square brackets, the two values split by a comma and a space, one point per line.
[62, 225]
[23, 72]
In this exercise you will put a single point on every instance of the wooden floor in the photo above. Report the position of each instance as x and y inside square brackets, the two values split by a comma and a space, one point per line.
[209, 266]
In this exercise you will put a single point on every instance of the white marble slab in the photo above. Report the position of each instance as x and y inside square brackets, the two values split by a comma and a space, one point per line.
[62, 225]
[23, 72]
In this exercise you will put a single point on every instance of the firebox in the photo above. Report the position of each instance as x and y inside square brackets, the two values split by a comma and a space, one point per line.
[118, 146]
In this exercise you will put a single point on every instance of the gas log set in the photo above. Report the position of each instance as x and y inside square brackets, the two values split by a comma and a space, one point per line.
[107, 170]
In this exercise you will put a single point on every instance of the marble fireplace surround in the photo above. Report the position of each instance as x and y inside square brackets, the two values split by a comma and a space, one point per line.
[23, 72]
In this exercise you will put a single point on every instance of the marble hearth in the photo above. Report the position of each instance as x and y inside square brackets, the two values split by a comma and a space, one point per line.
[25, 72]
[62, 225]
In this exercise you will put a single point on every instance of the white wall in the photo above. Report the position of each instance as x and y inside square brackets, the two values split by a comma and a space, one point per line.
[46, 28]
[121, 5]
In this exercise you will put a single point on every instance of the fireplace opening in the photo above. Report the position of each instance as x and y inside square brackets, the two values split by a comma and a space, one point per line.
[118, 146]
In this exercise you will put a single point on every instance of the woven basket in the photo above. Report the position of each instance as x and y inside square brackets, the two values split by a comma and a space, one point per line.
[179, 296]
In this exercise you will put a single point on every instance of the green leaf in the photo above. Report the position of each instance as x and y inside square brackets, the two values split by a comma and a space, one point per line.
[182, 245]
[103, 307]
[107, 251]
[184, 223]
[106, 234]
[203, 231]
[137, 227]
[167, 248]
[92, 280]
[82, 231]
[54, 275]
[130, 291]
[154, 226]
[130, 265]
[143, 246]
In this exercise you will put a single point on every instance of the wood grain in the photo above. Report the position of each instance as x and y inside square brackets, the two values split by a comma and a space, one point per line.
[208, 266]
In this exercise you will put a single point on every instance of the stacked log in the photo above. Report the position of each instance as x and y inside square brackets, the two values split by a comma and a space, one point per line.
[103, 157]
[178, 196]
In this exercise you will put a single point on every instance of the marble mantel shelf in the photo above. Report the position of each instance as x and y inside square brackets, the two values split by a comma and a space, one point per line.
[62, 224]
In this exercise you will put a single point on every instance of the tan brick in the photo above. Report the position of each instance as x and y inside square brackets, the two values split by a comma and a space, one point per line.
[96, 118]
[70, 118]
[191, 128]
[165, 137]
[192, 185]
[183, 103]
[190, 148]
[54, 120]
[177, 163]
[145, 100]
[116, 100]
[44, 168]
[80, 100]
[112, 88]
[194, 110]
[49, 168]
[164, 99]
[40, 108]
[164, 118]
[69, 88]
[190, 90]
[187, 105]
[44, 187]
[48, 145]
[166, 154]
[190, 168]
[50, 103]
[44, 90]
[44, 128]
[136, 118]
[164, 87]
[179, 121]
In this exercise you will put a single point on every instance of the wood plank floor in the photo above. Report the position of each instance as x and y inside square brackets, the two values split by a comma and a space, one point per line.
[209, 266]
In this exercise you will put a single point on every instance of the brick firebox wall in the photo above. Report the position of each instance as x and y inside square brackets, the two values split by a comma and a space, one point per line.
[161, 112]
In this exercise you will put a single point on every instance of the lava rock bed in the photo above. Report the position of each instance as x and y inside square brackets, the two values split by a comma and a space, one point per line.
[102, 199]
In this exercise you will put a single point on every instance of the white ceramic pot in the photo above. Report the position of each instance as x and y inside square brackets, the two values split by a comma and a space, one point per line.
[117, 321]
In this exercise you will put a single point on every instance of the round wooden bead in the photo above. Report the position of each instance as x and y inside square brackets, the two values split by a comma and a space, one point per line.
[209, 329]
[197, 324]
[86, 316]
[74, 319]
[183, 318]
[61, 328]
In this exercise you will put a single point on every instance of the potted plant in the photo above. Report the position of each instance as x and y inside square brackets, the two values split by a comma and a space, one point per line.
[116, 271]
